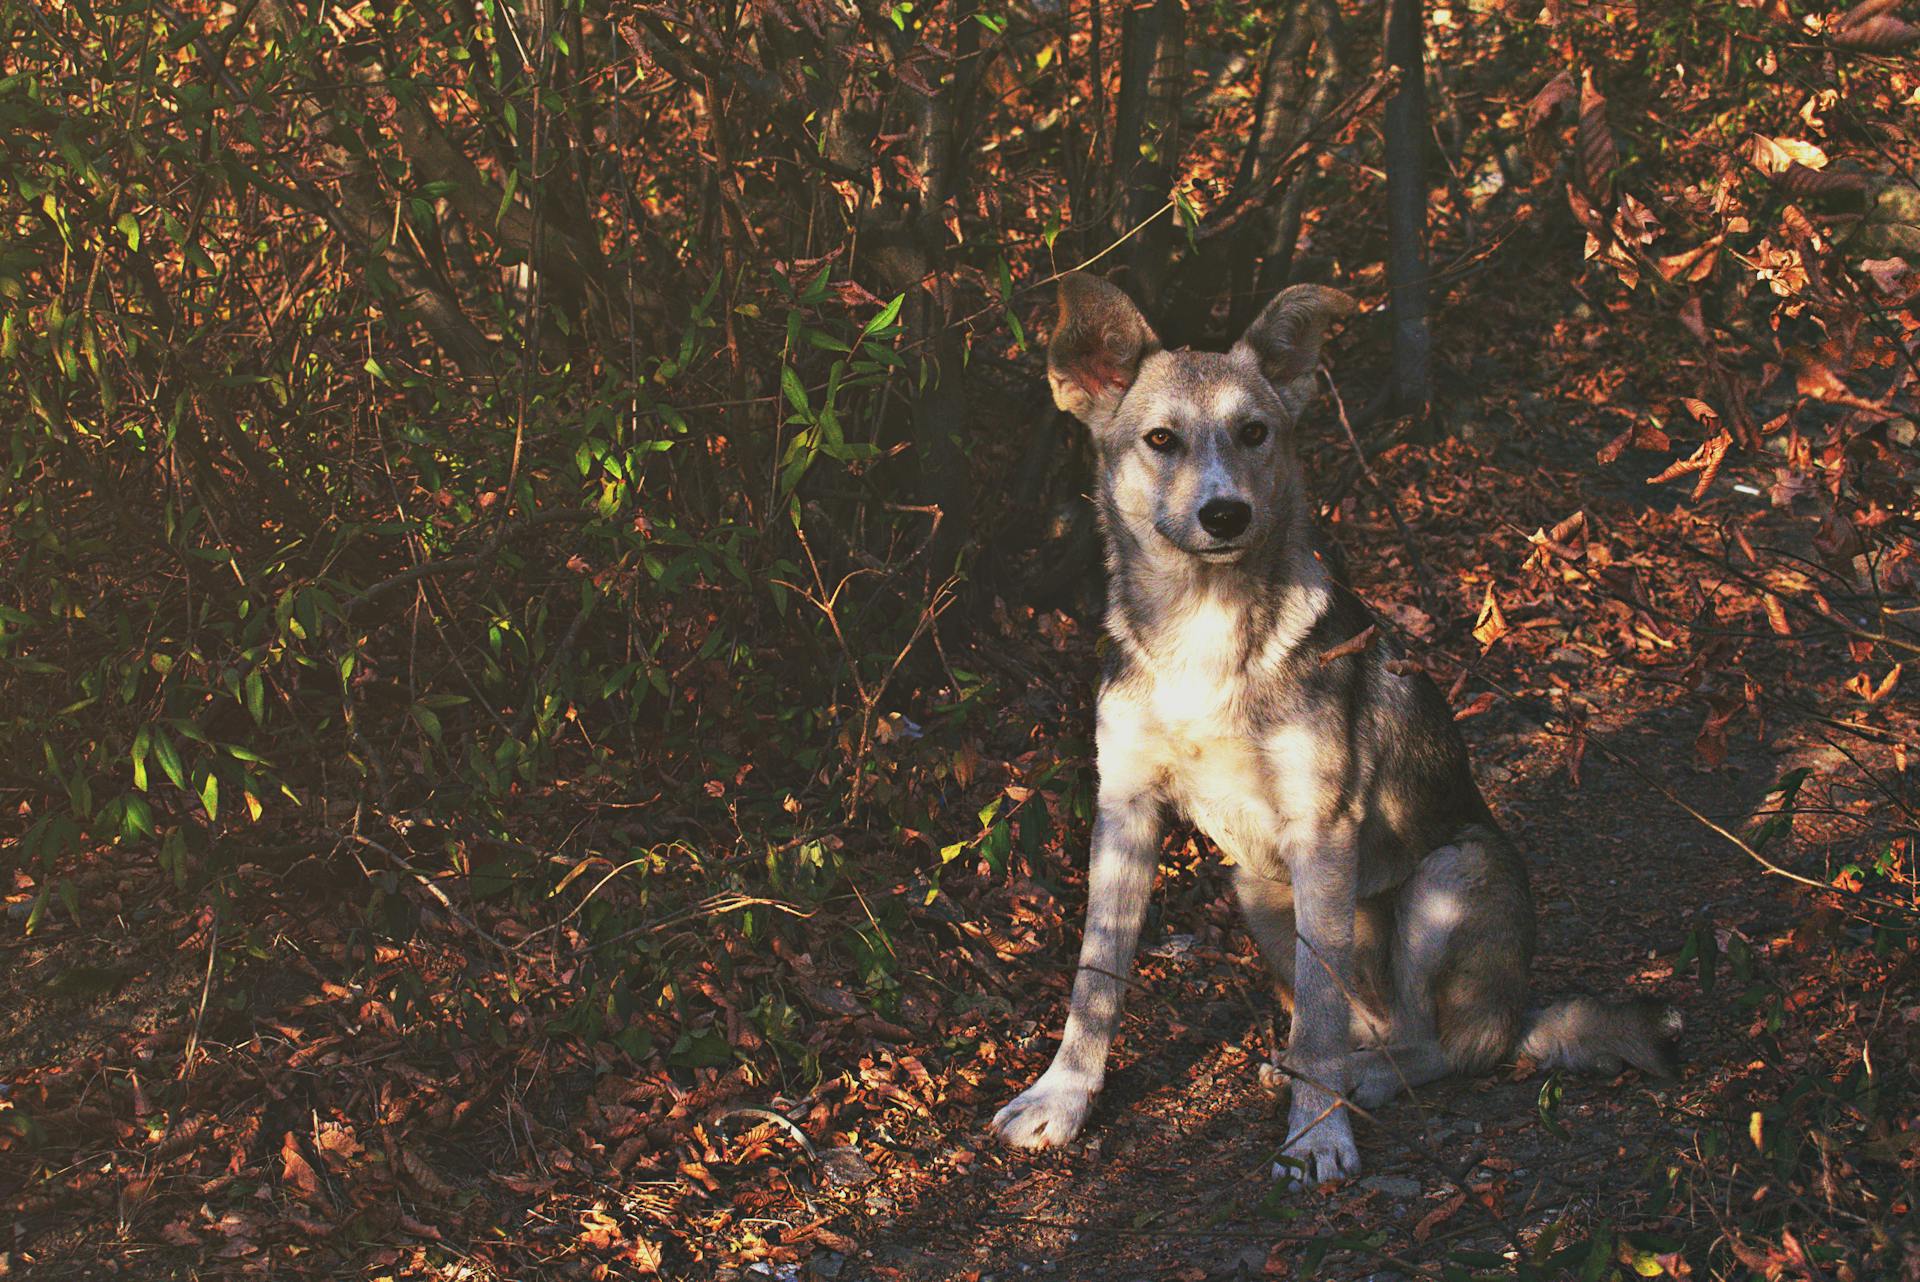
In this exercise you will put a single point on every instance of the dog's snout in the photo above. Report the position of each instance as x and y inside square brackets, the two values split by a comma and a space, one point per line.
[1224, 518]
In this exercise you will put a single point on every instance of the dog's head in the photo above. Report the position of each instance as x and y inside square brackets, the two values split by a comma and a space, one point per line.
[1196, 448]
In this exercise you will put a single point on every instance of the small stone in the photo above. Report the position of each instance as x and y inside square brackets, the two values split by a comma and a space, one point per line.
[1394, 1186]
[845, 1167]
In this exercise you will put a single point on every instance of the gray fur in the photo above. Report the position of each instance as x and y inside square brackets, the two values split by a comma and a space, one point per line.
[1388, 903]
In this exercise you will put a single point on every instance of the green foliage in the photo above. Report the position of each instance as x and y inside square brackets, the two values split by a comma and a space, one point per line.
[324, 515]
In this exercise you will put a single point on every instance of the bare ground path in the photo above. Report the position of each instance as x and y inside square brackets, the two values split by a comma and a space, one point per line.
[1171, 1181]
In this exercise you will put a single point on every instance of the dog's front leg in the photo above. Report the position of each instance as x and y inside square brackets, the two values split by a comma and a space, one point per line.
[1126, 842]
[1320, 1143]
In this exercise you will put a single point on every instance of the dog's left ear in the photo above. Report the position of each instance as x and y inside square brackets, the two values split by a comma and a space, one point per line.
[1286, 338]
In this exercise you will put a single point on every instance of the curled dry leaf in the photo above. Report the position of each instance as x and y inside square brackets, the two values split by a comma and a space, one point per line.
[1881, 34]
[298, 1173]
[1776, 614]
[1705, 460]
[1597, 155]
[1544, 106]
[1640, 436]
[1863, 684]
[1352, 645]
[1701, 411]
[1804, 180]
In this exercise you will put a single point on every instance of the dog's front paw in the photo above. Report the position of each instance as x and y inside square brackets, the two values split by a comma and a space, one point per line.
[1324, 1153]
[1048, 1113]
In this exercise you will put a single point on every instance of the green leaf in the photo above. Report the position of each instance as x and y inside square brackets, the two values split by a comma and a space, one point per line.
[142, 742]
[129, 227]
[137, 817]
[886, 317]
[169, 758]
[1548, 1105]
[210, 796]
[513, 183]
[796, 392]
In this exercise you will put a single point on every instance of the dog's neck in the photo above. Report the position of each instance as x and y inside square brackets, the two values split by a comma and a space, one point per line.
[1167, 606]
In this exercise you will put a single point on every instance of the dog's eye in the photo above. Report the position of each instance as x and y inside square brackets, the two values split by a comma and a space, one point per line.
[1253, 433]
[1162, 440]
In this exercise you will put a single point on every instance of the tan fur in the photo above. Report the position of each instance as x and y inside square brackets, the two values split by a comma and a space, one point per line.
[1369, 870]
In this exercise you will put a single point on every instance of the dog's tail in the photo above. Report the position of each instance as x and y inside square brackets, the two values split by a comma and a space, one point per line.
[1589, 1034]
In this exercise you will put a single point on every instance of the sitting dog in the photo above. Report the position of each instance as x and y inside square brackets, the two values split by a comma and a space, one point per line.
[1388, 904]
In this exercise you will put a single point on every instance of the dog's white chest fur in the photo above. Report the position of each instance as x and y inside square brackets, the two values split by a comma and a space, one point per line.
[1184, 719]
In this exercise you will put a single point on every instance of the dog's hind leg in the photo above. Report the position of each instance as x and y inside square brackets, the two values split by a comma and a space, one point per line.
[1463, 939]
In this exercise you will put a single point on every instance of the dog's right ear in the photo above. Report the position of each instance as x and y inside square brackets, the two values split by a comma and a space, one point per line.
[1098, 344]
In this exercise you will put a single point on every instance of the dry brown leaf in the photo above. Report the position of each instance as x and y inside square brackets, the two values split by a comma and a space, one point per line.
[1597, 155]
[599, 1231]
[1774, 156]
[1776, 614]
[1881, 34]
[1705, 460]
[1802, 180]
[1437, 1216]
[1693, 265]
[1863, 685]
[1491, 625]
[296, 1172]
[422, 1174]
[1477, 705]
[1702, 412]
[1694, 319]
[1816, 378]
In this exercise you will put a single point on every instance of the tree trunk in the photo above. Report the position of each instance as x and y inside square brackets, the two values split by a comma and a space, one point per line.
[1146, 140]
[1407, 284]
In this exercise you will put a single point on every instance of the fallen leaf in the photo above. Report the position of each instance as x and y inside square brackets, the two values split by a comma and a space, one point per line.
[1491, 625]
[296, 1172]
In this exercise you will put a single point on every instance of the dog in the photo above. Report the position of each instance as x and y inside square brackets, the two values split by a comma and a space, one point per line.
[1245, 689]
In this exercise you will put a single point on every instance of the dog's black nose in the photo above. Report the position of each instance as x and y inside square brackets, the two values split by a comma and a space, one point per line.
[1224, 518]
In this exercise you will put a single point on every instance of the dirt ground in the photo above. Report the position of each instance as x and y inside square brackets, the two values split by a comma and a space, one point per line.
[1171, 1178]
[310, 1089]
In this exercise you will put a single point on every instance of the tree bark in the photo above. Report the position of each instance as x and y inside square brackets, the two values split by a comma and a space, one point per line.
[1407, 282]
[1146, 140]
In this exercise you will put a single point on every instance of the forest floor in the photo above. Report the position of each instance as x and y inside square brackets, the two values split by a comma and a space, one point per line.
[291, 1094]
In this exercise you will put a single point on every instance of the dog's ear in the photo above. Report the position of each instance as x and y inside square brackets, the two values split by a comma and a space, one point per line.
[1286, 337]
[1098, 344]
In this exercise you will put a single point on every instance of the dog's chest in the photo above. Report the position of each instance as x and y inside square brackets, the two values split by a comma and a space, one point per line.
[1206, 734]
